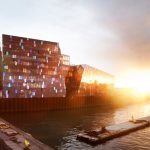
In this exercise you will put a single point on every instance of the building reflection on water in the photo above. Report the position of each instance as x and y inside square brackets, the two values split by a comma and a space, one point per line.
[59, 128]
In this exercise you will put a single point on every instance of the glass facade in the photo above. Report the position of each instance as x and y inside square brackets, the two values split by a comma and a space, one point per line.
[73, 80]
[84, 80]
[65, 59]
[31, 68]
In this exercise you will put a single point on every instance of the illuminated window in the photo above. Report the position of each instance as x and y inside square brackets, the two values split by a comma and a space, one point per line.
[7, 94]
[24, 84]
[5, 67]
[53, 79]
[16, 91]
[34, 57]
[43, 85]
[34, 44]
[14, 56]
[7, 53]
[25, 71]
[10, 77]
[16, 63]
[13, 80]
[9, 85]
[33, 93]
[20, 77]
[21, 91]
[42, 65]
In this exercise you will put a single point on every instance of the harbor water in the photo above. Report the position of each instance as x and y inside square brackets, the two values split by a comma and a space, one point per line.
[59, 129]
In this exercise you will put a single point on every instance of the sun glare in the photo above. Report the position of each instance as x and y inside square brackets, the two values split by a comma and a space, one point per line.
[140, 81]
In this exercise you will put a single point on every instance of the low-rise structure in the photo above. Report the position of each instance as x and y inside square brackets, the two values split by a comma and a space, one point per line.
[84, 80]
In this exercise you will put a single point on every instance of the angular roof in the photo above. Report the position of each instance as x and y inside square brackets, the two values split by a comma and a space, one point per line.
[85, 66]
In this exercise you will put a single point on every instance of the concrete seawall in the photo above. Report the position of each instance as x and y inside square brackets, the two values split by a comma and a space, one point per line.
[12, 138]
[44, 104]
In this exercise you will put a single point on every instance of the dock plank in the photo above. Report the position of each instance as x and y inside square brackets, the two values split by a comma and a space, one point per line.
[98, 136]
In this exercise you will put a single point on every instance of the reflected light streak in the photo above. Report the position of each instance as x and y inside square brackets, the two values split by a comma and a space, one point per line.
[138, 111]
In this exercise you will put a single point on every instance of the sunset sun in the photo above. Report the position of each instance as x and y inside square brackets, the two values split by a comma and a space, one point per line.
[139, 81]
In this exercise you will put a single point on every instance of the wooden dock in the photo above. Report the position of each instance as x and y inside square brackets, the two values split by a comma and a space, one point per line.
[12, 138]
[99, 136]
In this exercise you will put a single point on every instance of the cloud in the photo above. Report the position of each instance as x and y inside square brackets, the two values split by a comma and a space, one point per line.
[111, 35]
[129, 21]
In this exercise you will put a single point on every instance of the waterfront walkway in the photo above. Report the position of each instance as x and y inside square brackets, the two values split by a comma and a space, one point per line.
[12, 138]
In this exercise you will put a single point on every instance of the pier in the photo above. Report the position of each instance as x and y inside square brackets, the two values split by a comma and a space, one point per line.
[12, 138]
[104, 134]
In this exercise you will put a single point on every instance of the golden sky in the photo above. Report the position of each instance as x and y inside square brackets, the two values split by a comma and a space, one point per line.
[111, 35]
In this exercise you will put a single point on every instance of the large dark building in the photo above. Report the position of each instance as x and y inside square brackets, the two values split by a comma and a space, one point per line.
[1, 72]
[31, 68]
[36, 68]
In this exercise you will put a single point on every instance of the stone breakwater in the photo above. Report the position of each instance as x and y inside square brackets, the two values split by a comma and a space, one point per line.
[12, 138]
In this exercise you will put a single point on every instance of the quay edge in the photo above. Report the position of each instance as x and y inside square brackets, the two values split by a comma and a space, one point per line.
[12, 138]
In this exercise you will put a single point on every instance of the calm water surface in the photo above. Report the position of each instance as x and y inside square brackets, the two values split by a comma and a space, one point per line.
[59, 128]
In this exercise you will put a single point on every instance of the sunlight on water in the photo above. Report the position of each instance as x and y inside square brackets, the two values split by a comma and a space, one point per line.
[60, 128]
[138, 111]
